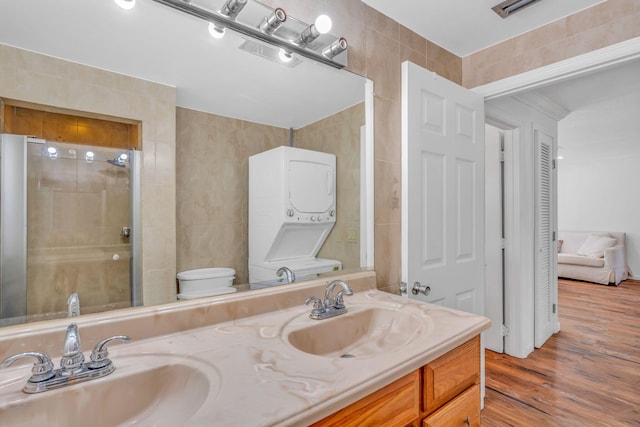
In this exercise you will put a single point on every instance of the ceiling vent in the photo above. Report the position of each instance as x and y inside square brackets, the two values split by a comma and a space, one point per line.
[509, 7]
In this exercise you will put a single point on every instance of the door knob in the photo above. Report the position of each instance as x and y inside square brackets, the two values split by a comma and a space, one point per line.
[417, 288]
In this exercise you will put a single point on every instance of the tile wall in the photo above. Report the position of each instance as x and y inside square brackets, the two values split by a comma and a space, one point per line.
[340, 135]
[212, 181]
[605, 24]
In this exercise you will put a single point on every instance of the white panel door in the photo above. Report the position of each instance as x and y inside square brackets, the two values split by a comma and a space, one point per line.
[545, 281]
[442, 189]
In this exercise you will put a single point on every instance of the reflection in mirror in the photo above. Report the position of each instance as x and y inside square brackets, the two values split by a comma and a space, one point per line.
[230, 105]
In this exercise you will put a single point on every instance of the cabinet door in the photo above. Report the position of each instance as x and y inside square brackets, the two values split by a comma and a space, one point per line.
[450, 374]
[397, 404]
[463, 411]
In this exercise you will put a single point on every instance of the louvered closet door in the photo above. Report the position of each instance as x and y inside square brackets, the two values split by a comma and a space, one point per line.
[544, 222]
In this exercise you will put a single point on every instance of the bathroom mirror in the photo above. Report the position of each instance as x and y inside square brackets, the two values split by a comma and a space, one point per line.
[253, 102]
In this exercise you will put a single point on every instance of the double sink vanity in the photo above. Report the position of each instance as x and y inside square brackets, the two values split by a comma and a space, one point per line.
[258, 359]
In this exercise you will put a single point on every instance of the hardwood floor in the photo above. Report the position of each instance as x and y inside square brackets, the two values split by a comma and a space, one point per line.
[586, 375]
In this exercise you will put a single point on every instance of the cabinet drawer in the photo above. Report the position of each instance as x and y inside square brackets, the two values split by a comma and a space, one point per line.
[450, 374]
[463, 411]
[397, 404]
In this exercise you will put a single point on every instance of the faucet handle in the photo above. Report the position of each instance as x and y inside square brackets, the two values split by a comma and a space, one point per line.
[339, 303]
[99, 355]
[318, 306]
[42, 370]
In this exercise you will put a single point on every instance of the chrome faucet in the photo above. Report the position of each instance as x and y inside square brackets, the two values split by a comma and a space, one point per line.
[72, 360]
[332, 305]
[290, 275]
[73, 305]
[72, 369]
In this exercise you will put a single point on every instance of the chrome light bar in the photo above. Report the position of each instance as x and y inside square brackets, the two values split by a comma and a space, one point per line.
[282, 37]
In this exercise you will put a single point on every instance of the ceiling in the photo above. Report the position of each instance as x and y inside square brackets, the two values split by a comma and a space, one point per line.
[605, 113]
[156, 43]
[466, 26]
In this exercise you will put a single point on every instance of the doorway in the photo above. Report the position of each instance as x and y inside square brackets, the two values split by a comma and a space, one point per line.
[518, 298]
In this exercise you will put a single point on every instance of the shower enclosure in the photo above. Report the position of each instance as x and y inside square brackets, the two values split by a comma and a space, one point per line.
[68, 224]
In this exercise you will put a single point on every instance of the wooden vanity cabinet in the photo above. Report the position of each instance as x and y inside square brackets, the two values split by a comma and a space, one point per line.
[445, 392]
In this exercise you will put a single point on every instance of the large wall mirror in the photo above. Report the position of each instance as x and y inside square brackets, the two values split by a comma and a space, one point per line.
[230, 104]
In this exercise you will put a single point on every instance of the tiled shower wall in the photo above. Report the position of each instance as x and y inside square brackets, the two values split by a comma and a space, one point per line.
[212, 183]
[75, 211]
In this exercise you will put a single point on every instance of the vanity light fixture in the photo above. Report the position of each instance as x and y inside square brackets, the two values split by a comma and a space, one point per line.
[509, 7]
[322, 25]
[89, 156]
[335, 48]
[126, 4]
[265, 25]
[273, 21]
[232, 8]
[216, 31]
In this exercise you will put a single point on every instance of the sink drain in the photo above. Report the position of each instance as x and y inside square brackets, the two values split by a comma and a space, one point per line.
[347, 356]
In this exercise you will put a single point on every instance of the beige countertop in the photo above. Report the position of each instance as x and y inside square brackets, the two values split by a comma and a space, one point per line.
[256, 377]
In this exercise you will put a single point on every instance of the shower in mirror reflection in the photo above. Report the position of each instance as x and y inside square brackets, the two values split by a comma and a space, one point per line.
[67, 208]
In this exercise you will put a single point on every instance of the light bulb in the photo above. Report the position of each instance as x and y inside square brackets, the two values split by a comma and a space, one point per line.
[284, 55]
[323, 24]
[89, 155]
[215, 31]
[52, 150]
[123, 156]
[126, 4]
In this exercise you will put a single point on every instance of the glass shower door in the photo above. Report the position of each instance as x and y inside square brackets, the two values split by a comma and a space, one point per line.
[78, 228]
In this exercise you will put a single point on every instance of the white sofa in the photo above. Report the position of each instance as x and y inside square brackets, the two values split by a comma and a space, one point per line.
[610, 268]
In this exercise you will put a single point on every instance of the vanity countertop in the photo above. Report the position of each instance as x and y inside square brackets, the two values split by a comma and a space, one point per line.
[259, 379]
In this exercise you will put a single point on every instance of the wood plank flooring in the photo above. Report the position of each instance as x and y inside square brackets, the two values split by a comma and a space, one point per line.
[586, 375]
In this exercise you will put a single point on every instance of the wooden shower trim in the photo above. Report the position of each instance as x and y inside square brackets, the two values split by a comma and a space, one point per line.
[55, 124]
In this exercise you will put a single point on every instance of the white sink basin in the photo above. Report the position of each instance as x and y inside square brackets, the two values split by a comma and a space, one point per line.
[166, 395]
[363, 332]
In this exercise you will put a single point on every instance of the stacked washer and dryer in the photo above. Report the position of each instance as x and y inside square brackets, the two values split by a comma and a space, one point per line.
[292, 209]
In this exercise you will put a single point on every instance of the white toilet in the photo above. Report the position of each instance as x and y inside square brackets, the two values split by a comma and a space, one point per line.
[205, 282]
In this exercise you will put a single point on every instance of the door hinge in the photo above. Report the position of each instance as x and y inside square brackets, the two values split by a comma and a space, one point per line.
[553, 163]
[554, 309]
[504, 330]
[503, 243]
[502, 156]
[553, 236]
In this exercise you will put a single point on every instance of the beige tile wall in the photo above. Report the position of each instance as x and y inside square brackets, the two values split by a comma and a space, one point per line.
[212, 181]
[39, 79]
[212, 184]
[602, 25]
[340, 135]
